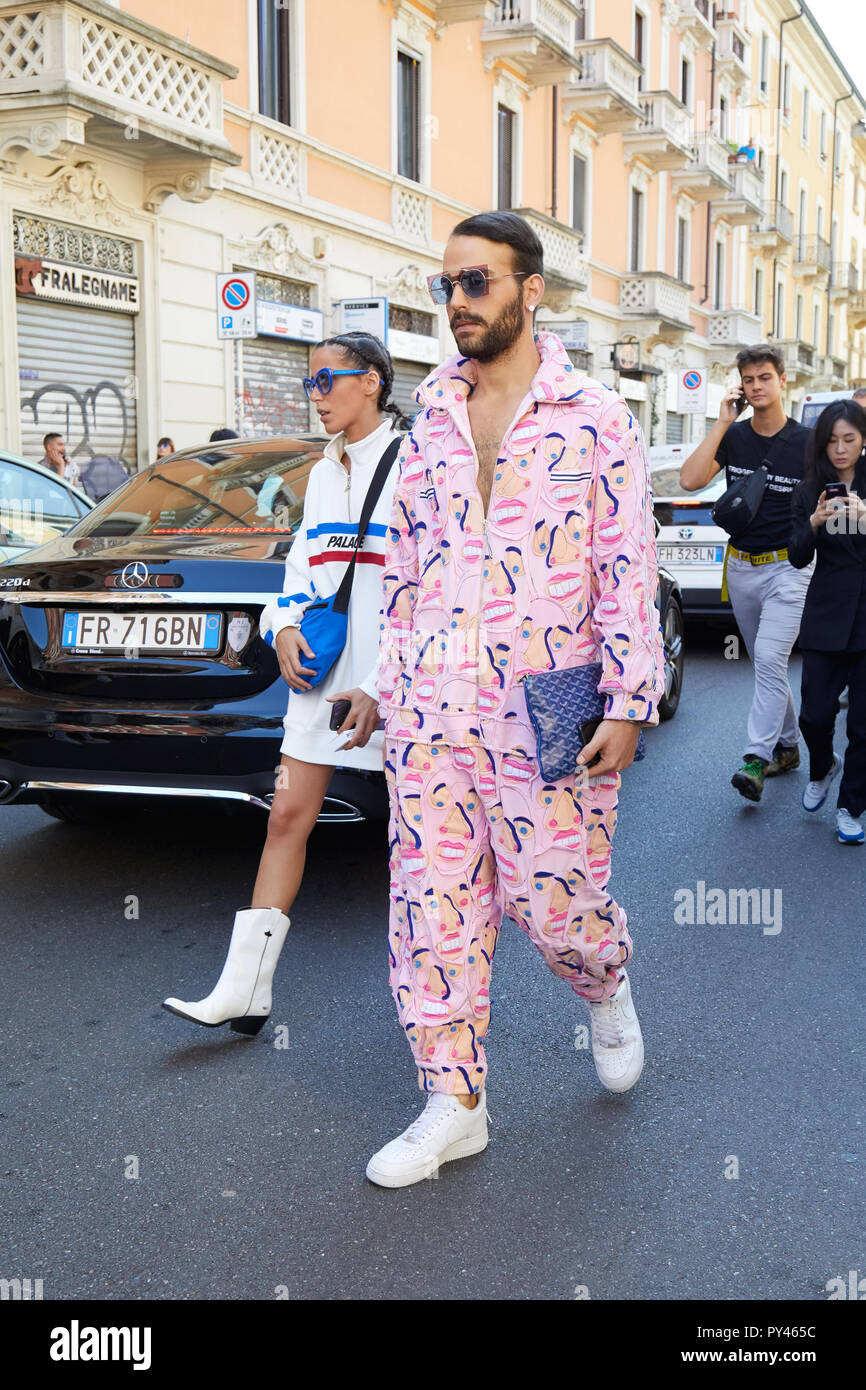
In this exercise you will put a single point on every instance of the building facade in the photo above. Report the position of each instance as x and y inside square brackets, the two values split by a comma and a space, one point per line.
[331, 145]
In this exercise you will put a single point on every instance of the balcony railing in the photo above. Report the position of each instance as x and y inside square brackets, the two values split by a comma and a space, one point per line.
[733, 327]
[664, 137]
[844, 278]
[605, 89]
[745, 201]
[67, 63]
[857, 309]
[777, 221]
[655, 295]
[696, 18]
[732, 49]
[565, 264]
[812, 253]
[799, 357]
[536, 35]
[705, 175]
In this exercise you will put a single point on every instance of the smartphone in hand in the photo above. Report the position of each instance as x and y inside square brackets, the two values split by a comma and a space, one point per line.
[835, 490]
[740, 403]
[339, 710]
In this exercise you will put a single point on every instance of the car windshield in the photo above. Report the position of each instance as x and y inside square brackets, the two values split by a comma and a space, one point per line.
[215, 491]
[666, 483]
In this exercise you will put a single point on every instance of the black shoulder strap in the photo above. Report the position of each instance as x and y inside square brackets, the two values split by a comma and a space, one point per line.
[374, 492]
[777, 439]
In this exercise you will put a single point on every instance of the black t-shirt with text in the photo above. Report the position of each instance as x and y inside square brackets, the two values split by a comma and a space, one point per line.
[741, 451]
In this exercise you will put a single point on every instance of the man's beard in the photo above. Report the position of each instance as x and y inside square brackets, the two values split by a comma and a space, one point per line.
[498, 337]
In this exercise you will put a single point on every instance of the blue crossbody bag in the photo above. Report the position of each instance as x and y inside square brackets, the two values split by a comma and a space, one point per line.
[558, 703]
[325, 623]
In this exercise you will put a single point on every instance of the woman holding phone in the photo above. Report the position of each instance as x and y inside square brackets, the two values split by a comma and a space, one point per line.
[350, 385]
[830, 523]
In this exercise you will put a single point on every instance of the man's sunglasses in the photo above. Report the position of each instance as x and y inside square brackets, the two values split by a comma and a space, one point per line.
[324, 380]
[474, 281]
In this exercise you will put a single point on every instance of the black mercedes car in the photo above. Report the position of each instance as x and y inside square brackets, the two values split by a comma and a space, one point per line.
[131, 663]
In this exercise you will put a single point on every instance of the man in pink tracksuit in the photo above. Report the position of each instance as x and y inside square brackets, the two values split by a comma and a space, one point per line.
[521, 541]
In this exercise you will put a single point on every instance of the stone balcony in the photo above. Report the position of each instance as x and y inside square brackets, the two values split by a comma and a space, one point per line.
[705, 176]
[732, 51]
[664, 137]
[695, 18]
[536, 37]
[812, 257]
[830, 374]
[843, 280]
[775, 229]
[733, 328]
[79, 74]
[605, 91]
[799, 357]
[744, 204]
[654, 307]
[857, 309]
[565, 265]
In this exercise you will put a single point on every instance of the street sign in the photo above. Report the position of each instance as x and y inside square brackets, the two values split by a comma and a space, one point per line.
[691, 392]
[363, 316]
[574, 336]
[236, 304]
[274, 320]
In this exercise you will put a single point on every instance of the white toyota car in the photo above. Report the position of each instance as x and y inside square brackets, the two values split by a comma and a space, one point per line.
[690, 544]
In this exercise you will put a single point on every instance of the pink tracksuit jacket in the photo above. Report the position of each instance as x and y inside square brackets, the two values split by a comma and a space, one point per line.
[560, 573]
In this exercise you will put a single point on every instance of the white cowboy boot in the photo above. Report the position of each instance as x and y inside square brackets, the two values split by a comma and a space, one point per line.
[242, 995]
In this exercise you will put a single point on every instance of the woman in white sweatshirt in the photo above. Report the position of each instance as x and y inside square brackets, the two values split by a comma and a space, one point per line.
[350, 383]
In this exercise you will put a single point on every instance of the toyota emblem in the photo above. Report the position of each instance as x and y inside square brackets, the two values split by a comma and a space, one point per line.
[685, 534]
[134, 576]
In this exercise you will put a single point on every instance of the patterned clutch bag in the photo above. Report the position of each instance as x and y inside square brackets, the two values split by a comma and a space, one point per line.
[558, 703]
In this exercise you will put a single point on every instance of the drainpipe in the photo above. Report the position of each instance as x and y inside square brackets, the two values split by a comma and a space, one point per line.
[554, 143]
[848, 94]
[709, 204]
[790, 19]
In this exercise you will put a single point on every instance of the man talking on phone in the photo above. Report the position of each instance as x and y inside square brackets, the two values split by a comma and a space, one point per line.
[766, 592]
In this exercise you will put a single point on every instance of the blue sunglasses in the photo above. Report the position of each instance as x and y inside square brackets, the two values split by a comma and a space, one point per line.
[324, 380]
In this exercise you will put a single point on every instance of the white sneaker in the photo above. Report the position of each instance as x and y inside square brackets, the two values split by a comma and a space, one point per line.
[815, 793]
[444, 1130]
[617, 1044]
[848, 830]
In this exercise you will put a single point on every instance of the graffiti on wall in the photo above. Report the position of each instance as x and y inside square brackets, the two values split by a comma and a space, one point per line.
[264, 409]
[94, 420]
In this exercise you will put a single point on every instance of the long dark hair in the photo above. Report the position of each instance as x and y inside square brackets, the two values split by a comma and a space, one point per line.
[818, 470]
[366, 350]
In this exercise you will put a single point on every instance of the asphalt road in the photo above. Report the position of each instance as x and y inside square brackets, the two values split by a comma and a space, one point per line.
[250, 1156]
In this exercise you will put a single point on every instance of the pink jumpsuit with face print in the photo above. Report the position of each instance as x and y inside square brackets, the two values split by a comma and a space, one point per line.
[561, 573]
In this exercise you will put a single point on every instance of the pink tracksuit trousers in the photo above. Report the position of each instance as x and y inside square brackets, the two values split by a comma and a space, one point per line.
[474, 834]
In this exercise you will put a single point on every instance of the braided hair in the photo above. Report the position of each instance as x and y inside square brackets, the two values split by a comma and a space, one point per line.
[366, 350]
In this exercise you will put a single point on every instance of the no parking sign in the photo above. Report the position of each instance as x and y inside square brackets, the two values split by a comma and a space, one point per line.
[692, 392]
[236, 304]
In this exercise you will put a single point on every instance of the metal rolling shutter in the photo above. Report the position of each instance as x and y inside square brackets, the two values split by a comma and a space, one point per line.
[273, 400]
[407, 378]
[77, 376]
[673, 428]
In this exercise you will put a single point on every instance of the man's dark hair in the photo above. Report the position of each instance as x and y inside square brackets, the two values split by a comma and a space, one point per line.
[47, 438]
[223, 434]
[760, 352]
[513, 231]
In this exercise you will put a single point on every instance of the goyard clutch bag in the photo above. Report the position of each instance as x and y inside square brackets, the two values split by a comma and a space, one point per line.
[558, 703]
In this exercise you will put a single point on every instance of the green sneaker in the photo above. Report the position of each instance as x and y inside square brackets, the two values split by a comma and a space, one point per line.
[786, 757]
[749, 779]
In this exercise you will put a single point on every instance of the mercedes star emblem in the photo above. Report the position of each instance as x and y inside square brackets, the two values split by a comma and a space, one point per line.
[134, 576]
